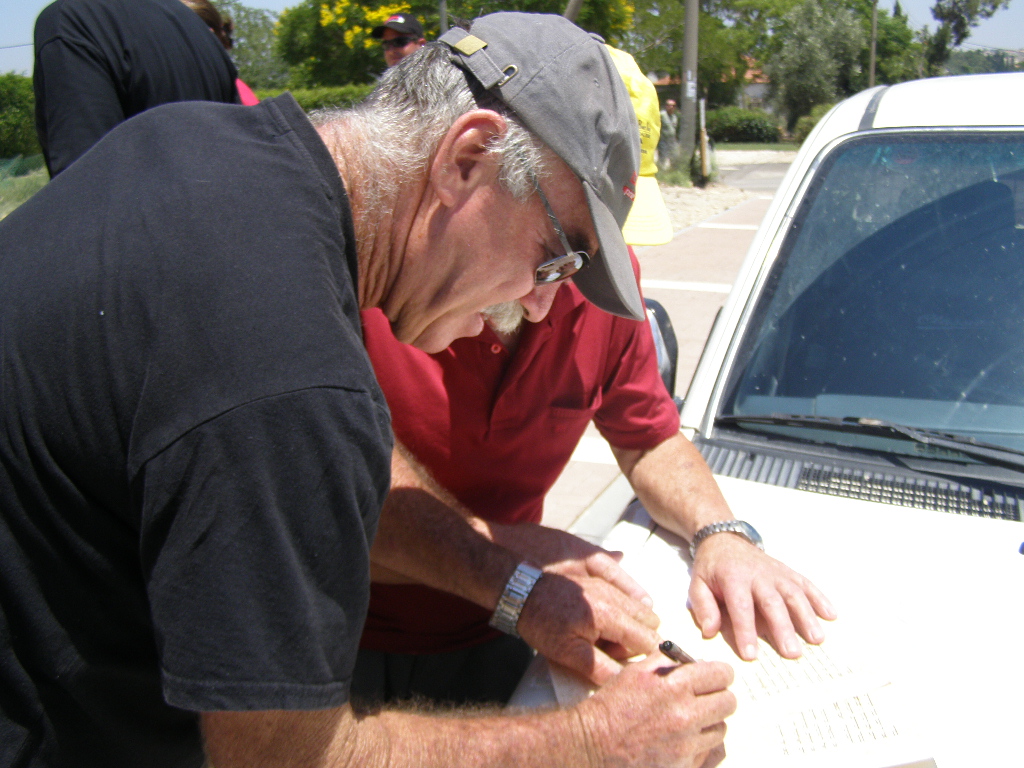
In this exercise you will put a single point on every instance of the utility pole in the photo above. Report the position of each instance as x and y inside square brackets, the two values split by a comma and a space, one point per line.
[443, 9]
[874, 42]
[572, 10]
[688, 87]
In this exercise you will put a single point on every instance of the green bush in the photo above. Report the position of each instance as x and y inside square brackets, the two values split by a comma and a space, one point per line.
[17, 116]
[805, 124]
[738, 124]
[320, 98]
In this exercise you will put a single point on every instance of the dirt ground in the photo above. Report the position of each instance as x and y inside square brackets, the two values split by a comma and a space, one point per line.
[690, 205]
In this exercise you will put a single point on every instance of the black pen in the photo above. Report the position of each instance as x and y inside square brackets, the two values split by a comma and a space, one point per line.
[675, 653]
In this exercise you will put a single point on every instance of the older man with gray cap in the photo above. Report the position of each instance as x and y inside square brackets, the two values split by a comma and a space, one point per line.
[194, 449]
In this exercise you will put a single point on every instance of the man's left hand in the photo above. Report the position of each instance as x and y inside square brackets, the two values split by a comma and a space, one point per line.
[731, 573]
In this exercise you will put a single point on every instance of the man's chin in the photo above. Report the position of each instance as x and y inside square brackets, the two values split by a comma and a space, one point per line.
[434, 340]
[506, 318]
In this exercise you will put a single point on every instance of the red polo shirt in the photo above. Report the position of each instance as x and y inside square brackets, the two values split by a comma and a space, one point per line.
[496, 429]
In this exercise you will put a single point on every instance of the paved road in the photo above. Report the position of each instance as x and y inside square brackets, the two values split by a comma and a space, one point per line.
[691, 276]
[760, 177]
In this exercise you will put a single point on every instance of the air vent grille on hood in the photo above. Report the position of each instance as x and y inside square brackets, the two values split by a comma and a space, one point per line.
[856, 483]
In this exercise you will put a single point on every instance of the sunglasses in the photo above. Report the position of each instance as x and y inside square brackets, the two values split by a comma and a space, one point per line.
[560, 267]
[396, 42]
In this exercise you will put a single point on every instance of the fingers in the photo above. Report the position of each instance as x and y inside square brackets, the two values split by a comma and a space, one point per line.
[755, 590]
[739, 602]
[565, 618]
[587, 660]
[821, 604]
[603, 565]
[658, 714]
[705, 608]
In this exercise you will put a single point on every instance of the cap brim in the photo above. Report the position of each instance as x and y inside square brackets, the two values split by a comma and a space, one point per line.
[609, 282]
[648, 222]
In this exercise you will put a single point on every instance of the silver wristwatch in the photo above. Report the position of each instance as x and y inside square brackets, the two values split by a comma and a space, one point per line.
[746, 530]
[511, 602]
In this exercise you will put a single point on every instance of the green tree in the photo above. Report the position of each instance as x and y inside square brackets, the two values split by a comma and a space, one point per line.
[816, 58]
[961, 15]
[255, 50]
[656, 42]
[979, 62]
[17, 116]
[956, 19]
[328, 42]
[898, 53]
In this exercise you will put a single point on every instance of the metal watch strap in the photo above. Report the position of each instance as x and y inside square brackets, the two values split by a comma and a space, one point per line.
[512, 600]
[744, 529]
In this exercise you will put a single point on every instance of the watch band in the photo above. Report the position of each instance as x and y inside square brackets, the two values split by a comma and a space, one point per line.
[744, 529]
[512, 600]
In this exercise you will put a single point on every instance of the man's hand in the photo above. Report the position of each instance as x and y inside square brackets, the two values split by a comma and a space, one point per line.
[678, 490]
[586, 612]
[729, 571]
[586, 623]
[563, 553]
[656, 713]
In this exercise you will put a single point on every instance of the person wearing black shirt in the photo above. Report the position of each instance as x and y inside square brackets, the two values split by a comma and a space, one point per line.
[194, 449]
[98, 62]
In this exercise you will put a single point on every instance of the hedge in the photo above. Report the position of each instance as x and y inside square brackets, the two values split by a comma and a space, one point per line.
[806, 124]
[738, 124]
[320, 98]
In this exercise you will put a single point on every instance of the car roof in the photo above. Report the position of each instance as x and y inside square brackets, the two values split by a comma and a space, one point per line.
[960, 101]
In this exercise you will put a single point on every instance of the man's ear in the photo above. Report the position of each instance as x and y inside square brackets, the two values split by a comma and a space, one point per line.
[462, 162]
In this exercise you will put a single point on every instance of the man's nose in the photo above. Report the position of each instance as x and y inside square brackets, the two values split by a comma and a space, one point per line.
[538, 302]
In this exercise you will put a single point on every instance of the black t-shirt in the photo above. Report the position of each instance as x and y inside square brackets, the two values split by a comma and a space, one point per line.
[193, 446]
[98, 62]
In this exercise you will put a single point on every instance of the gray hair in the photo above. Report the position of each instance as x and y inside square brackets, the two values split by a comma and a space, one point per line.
[401, 123]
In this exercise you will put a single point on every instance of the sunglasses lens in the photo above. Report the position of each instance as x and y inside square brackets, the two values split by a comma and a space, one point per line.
[561, 268]
[396, 42]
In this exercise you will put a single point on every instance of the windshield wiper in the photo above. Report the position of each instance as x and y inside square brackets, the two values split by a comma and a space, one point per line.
[986, 452]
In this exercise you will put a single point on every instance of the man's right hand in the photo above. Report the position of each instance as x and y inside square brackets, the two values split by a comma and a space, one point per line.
[657, 713]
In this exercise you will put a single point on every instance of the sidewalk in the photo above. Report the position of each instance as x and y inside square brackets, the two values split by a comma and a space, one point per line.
[691, 276]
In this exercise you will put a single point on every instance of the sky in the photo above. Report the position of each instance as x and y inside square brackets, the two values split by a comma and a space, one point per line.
[1004, 30]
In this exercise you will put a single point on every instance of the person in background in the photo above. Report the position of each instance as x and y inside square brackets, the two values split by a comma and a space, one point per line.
[669, 142]
[223, 28]
[400, 36]
[194, 449]
[99, 62]
[484, 429]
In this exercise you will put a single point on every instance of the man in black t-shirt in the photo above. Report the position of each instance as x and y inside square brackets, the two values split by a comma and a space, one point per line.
[194, 449]
[98, 62]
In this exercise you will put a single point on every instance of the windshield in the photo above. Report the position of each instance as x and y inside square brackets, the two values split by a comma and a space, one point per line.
[898, 291]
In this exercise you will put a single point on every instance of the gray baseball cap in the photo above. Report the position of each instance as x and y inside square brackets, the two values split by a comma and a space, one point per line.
[562, 83]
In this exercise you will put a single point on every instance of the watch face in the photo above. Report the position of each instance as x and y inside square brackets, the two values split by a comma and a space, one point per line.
[750, 532]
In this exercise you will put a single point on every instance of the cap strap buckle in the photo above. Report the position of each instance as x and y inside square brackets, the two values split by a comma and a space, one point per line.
[471, 50]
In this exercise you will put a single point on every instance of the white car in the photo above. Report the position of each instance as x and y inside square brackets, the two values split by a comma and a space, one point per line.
[860, 400]
[873, 343]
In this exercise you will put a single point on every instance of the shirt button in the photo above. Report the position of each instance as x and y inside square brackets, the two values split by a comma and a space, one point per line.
[496, 348]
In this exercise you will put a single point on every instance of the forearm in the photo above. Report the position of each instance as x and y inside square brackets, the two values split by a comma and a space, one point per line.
[675, 485]
[650, 714]
[427, 537]
[393, 739]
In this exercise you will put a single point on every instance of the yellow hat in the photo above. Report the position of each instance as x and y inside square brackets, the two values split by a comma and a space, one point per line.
[648, 222]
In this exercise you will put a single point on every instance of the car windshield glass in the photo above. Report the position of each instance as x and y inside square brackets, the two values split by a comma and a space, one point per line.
[898, 291]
